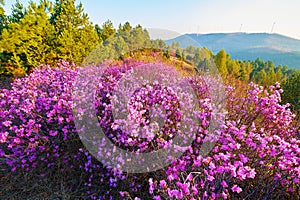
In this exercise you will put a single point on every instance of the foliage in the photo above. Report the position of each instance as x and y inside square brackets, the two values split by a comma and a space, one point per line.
[107, 30]
[117, 45]
[220, 61]
[18, 12]
[44, 33]
[25, 42]
[258, 71]
[75, 36]
[291, 92]
[256, 155]
[247, 161]
[2, 16]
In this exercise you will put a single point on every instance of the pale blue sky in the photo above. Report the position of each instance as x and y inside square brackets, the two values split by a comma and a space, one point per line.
[202, 16]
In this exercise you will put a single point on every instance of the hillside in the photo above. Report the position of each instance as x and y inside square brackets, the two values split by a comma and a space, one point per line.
[248, 46]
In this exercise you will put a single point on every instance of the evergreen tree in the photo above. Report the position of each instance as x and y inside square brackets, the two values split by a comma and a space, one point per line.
[98, 31]
[3, 17]
[107, 30]
[75, 36]
[278, 73]
[125, 32]
[178, 53]
[245, 70]
[183, 57]
[25, 42]
[197, 57]
[261, 77]
[205, 65]
[17, 13]
[291, 92]
[167, 54]
[1, 7]
[158, 44]
[233, 68]
[220, 61]
[120, 46]
[190, 49]
[125, 28]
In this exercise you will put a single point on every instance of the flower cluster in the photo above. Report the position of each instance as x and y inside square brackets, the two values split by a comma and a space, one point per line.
[36, 117]
[257, 153]
[251, 151]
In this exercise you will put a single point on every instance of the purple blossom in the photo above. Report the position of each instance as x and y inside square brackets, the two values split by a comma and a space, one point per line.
[258, 137]
[236, 189]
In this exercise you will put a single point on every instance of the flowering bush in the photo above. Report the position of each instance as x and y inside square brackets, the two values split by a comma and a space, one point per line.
[255, 149]
[256, 156]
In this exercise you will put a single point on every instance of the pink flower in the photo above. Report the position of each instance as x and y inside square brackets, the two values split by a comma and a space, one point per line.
[3, 137]
[53, 133]
[273, 152]
[184, 187]
[251, 173]
[197, 162]
[175, 193]
[171, 177]
[17, 140]
[233, 171]
[296, 180]
[151, 186]
[224, 184]
[236, 189]
[241, 173]
[243, 158]
[224, 195]
[163, 184]
[210, 178]
[195, 190]
[156, 198]
[189, 177]
[7, 123]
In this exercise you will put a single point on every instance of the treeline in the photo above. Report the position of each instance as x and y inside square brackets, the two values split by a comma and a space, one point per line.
[43, 33]
[116, 44]
[264, 73]
[258, 71]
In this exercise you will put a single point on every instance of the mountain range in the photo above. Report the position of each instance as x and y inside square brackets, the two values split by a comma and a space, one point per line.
[282, 50]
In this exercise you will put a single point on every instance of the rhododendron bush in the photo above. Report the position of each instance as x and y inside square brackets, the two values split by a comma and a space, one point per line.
[253, 152]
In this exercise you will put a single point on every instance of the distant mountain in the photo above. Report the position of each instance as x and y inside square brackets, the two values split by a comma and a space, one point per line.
[248, 46]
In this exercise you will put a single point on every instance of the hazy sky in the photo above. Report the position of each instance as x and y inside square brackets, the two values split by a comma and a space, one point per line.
[202, 16]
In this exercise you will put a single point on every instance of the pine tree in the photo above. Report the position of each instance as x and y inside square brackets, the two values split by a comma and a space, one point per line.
[98, 31]
[178, 53]
[291, 92]
[261, 77]
[1, 7]
[3, 17]
[197, 57]
[220, 61]
[126, 27]
[233, 67]
[17, 13]
[75, 36]
[25, 42]
[107, 30]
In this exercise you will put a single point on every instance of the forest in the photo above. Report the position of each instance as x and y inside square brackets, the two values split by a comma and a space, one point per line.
[238, 121]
